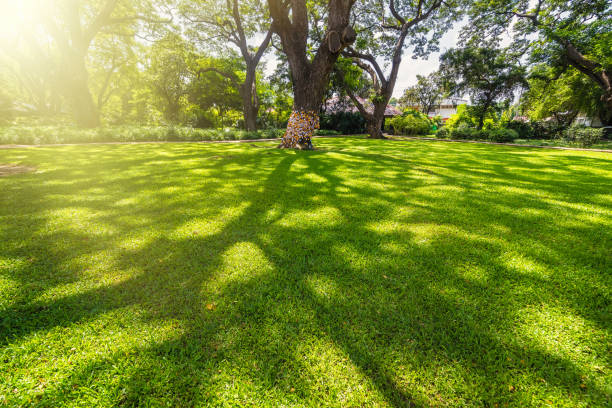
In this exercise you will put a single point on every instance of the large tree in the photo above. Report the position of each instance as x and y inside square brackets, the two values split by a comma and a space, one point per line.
[384, 31]
[488, 75]
[31, 79]
[226, 23]
[575, 33]
[69, 28]
[310, 63]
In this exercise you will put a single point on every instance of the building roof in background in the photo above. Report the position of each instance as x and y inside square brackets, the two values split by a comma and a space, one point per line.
[337, 105]
[452, 101]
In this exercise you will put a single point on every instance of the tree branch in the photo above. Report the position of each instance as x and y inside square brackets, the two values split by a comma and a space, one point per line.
[101, 19]
[262, 47]
[395, 14]
[351, 53]
[227, 75]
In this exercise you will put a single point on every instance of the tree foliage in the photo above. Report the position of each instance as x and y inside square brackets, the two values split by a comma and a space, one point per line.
[488, 75]
[230, 25]
[384, 32]
[559, 33]
[562, 98]
[425, 94]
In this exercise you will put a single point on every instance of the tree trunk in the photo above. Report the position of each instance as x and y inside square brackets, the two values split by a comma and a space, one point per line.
[300, 129]
[250, 101]
[85, 112]
[606, 116]
[309, 75]
[76, 89]
[480, 121]
[308, 89]
[482, 114]
[375, 121]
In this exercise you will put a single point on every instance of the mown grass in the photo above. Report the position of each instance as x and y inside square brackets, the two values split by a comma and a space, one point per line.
[367, 273]
[603, 144]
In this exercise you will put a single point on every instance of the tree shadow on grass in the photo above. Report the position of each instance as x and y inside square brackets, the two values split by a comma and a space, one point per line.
[393, 309]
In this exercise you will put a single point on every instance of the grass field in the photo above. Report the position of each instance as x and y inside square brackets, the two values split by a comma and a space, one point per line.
[367, 273]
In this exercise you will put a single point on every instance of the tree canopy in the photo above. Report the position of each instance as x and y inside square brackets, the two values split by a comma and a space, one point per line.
[559, 33]
[488, 75]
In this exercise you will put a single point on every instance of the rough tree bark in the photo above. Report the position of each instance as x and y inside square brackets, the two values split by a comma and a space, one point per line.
[384, 85]
[309, 76]
[250, 101]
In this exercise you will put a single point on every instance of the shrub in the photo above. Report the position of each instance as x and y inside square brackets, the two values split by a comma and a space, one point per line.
[583, 136]
[502, 135]
[462, 117]
[347, 123]
[524, 130]
[272, 133]
[69, 134]
[443, 133]
[547, 129]
[411, 123]
[464, 132]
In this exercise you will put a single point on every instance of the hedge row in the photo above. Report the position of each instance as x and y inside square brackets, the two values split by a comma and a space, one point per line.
[467, 133]
[29, 135]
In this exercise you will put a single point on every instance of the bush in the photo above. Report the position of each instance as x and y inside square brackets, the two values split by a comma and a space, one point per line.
[411, 123]
[464, 132]
[347, 123]
[583, 136]
[69, 134]
[547, 129]
[502, 135]
[443, 133]
[524, 130]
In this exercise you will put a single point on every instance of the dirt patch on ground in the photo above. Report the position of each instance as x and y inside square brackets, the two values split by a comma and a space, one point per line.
[13, 169]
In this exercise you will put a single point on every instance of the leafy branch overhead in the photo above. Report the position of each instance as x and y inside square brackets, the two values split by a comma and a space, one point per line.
[562, 34]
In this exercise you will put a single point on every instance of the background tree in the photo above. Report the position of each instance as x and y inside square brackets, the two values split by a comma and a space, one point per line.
[488, 75]
[575, 33]
[113, 67]
[425, 94]
[30, 75]
[422, 22]
[310, 63]
[70, 28]
[169, 75]
[222, 23]
[213, 94]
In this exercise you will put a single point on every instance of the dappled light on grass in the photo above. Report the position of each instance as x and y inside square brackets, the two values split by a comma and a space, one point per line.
[377, 273]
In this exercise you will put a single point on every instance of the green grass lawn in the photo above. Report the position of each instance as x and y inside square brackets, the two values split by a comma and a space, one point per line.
[367, 273]
[604, 144]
